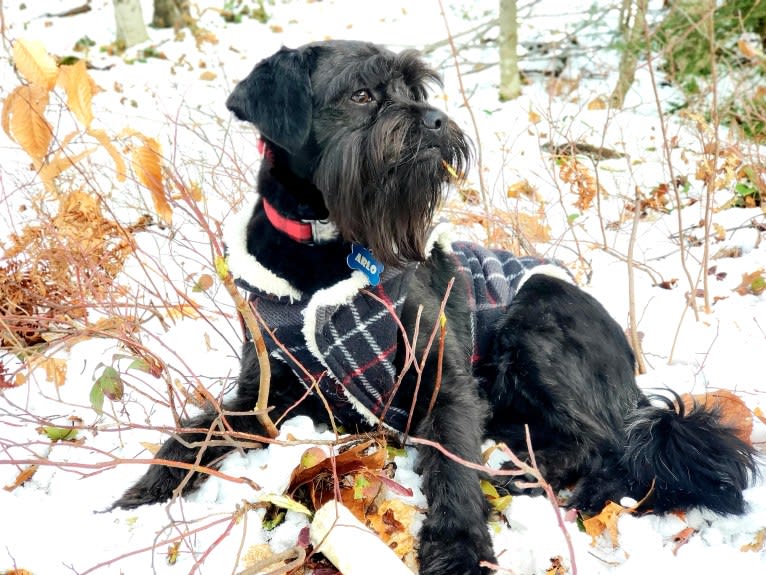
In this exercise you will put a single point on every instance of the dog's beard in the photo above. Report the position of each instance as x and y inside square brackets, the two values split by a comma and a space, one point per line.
[383, 184]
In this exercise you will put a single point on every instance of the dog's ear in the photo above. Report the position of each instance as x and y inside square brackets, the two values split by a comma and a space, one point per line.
[276, 98]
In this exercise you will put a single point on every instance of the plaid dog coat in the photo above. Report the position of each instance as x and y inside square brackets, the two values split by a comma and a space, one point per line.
[343, 339]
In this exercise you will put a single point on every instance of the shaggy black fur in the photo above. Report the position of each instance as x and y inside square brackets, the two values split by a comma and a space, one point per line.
[351, 138]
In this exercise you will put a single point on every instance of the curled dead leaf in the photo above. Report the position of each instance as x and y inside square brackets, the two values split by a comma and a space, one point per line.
[358, 470]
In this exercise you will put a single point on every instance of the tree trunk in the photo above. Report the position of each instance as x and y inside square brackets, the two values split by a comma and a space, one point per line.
[510, 80]
[632, 35]
[131, 29]
[171, 14]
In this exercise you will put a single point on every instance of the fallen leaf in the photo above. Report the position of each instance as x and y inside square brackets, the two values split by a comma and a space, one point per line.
[748, 50]
[25, 475]
[392, 521]
[668, 284]
[732, 410]
[753, 283]
[358, 470]
[757, 544]
[557, 566]
[605, 521]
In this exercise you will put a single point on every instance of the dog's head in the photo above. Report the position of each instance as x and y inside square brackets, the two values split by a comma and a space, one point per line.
[353, 119]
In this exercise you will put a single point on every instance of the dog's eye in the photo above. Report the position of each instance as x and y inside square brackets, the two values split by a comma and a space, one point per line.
[361, 97]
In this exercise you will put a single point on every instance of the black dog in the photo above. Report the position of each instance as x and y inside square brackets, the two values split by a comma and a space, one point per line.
[355, 158]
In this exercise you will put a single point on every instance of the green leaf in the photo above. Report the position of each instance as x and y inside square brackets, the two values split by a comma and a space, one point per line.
[111, 383]
[272, 520]
[97, 398]
[360, 484]
[141, 365]
[395, 452]
[108, 384]
[744, 189]
[59, 433]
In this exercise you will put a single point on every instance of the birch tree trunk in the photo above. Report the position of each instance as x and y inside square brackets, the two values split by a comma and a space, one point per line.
[131, 29]
[510, 80]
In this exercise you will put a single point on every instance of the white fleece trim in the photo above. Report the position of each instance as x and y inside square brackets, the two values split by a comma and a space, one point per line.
[550, 270]
[244, 265]
[336, 295]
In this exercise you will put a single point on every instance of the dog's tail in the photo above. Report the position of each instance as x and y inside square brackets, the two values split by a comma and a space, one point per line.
[686, 457]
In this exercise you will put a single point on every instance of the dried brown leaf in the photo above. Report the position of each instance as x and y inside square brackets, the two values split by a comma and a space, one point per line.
[119, 163]
[147, 163]
[732, 411]
[753, 283]
[25, 475]
[758, 542]
[392, 521]
[79, 88]
[580, 180]
[61, 162]
[605, 521]
[23, 116]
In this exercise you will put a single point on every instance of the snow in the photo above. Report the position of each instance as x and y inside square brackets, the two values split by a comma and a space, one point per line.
[55, 522]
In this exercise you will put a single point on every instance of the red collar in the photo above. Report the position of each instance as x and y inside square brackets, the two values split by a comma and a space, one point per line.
[304, 231]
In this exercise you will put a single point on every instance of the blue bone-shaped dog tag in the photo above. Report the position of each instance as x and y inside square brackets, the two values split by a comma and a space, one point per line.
[361, 259]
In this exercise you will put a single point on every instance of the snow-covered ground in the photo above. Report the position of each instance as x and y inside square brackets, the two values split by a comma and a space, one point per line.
[53, 524]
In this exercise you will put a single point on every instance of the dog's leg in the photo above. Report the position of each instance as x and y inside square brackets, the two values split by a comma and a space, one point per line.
[454, 537]
[160, 482]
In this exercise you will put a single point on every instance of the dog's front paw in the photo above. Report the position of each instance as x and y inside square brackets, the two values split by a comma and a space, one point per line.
[454, 554]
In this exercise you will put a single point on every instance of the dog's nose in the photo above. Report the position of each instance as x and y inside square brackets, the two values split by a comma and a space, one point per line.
[434, 119]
